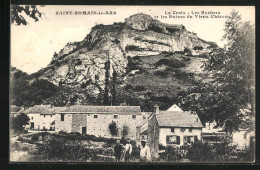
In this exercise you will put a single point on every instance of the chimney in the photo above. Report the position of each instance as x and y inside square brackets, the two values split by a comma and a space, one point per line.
[156, 109]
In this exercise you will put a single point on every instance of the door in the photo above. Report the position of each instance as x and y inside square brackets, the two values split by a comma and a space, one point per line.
[32, 125]
[84, 130]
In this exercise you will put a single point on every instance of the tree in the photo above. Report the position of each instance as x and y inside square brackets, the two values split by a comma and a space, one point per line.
[19, 122]
[234, 67]
[106, 93]
[114, 87]
[125, 131]
[113, 128]
[29, 10]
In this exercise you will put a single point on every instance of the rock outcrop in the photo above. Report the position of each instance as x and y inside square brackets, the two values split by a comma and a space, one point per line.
[82, 64]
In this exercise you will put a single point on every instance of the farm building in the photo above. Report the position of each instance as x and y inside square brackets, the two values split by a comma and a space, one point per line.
[95, 120]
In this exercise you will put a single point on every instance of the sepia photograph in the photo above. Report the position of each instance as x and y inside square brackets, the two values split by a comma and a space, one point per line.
[132, 84]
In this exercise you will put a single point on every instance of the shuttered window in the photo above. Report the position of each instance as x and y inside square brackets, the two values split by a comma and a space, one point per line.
[173, 139]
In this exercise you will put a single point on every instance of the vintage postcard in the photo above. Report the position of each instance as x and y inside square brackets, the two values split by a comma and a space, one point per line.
[165, 84]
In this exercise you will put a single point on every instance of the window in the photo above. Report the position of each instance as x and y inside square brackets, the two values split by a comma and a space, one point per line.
[189, 139]
[44, 115]
[172, 129]
[62, 117]
[133, 116]
[245, 135]
[115, 116]
[51, 115]
[32, 118]
[190, 129]
[173, 139]
[95, 116]
[183, 129]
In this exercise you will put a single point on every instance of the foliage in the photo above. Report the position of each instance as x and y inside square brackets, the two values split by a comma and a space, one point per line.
[25, 94]
[18, 122]
[66, 150]
[106, 93]
[232, 88]
[34, 138]
[29, 10]
[113, 128]
[125, 131]
[174, 63]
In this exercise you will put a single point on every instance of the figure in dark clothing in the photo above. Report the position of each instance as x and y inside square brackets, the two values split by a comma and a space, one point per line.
[117, 150]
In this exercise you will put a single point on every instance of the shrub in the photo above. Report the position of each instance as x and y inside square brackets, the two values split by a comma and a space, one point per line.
[62, 132]
[62, 149]
[161, 73]
[19, 122]
[198, 48]
[139, 88]
[125, 131]
[113, 128]
[34, 138]
[129, 86]
[171, 63]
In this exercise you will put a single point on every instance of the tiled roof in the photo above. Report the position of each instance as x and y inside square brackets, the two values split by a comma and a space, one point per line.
[37, 109]
[178, 119]
[103, 109]
[54, 110]
[14, 109]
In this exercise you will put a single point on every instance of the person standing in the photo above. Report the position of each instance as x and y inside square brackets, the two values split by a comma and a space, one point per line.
[117, 150]
[128, 150]
[145, 154]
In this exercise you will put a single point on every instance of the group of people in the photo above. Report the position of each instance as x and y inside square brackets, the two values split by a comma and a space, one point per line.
[145, 154]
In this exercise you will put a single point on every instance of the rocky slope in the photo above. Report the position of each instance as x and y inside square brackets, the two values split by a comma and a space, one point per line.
[134, 49]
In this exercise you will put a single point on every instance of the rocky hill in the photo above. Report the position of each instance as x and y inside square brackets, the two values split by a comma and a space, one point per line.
[150, 59]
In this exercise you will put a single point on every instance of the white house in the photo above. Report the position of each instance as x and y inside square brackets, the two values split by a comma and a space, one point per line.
[42, 117]
[243, 139]
[169, 127]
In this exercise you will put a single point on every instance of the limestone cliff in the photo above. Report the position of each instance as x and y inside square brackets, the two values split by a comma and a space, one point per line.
[82, 64]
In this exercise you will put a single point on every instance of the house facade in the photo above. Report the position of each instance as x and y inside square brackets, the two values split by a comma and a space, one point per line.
[243, 139]
[95, 120]
[42, 117]
[170, 127]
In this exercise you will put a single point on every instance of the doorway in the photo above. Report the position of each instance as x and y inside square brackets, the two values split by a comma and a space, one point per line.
[84, 130]
[32, 125]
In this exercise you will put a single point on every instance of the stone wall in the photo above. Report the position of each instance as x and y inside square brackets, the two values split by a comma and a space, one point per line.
[98, 126]
[65, 125]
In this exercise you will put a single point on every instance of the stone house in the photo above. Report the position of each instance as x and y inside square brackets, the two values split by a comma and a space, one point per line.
[42, 117]
[95, 120]
[170, 127]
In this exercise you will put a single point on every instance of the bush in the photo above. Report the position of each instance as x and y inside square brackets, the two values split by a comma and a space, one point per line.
[128, 87]
[34, 138]
[113, 128]
[139, 88]
[161, 73]
[19, 122]
[65, 150]
[62, 132]
[125, 131]
[171, 63]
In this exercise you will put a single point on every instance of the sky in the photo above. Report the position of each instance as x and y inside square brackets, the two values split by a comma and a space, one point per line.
[33, 45]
